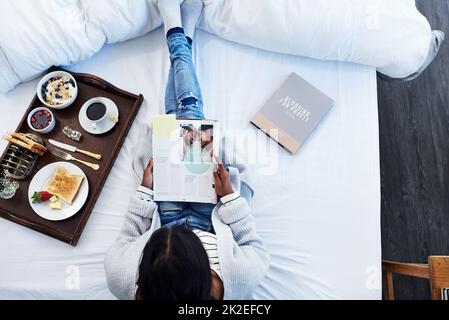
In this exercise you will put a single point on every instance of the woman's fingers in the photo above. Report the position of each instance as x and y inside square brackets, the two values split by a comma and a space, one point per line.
[216, 176]
[217, 180]
[150, 165]
[220, 165]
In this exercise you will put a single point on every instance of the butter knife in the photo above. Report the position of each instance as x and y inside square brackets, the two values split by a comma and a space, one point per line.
[74, 149]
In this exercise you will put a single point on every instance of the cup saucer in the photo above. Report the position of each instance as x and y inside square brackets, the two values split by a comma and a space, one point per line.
[101, 127]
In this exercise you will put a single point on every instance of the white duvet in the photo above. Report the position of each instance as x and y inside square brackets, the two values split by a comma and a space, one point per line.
[390, 35]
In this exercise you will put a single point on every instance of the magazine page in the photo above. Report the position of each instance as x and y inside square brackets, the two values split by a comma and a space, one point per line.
[183, 159]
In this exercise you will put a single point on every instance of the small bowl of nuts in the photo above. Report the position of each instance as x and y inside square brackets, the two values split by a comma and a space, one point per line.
[57, 90]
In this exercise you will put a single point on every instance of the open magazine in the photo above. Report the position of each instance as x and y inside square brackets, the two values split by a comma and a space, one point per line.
[183, 159]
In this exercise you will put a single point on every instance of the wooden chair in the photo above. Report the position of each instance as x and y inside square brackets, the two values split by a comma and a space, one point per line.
[436, 271]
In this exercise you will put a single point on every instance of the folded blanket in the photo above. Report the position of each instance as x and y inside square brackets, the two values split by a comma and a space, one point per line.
[389, 35]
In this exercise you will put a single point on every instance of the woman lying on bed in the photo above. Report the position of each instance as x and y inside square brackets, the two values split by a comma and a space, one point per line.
[179, 251]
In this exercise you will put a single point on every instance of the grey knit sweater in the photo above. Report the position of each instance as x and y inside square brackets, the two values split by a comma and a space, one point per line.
[242, 255]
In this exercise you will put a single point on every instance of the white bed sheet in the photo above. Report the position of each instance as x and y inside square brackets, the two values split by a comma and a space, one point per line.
[318, 212]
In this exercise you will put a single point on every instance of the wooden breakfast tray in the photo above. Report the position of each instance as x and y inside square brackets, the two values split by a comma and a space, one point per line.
[108, 145]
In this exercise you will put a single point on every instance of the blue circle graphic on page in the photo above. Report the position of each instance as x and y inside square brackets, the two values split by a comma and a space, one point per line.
[197, 160]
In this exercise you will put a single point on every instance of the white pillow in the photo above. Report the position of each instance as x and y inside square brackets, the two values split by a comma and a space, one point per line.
[390, 35]
[121, 20]
[38, 34]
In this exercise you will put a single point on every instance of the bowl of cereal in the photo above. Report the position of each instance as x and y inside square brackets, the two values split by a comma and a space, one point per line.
[57, 90]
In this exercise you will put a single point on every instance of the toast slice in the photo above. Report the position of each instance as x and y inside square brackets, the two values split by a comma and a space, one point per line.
[27, 140]
[22, 144]
[64, 185]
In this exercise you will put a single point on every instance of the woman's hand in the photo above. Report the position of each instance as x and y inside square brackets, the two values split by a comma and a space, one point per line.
[223, 186]
[147, 181]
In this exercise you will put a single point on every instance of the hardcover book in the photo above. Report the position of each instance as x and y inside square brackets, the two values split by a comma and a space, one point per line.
[293, 112]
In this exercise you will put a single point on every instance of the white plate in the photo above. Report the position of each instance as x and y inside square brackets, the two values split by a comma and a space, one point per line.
[40, 182]
[104, 126]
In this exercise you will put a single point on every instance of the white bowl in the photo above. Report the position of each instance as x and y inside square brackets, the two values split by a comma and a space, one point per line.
[54, 74]
[47, 129]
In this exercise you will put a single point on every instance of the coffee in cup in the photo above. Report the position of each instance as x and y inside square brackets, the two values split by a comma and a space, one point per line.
[96, 112]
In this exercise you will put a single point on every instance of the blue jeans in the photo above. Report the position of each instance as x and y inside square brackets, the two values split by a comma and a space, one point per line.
[183, 94]
[183, 97]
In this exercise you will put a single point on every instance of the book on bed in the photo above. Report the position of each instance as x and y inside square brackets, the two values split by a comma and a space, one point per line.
[183, 159]
[293, 112]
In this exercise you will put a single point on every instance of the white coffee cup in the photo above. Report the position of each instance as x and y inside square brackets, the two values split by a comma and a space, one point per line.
[96, 112]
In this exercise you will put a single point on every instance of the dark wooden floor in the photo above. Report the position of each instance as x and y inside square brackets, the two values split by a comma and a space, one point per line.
[414, 140]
